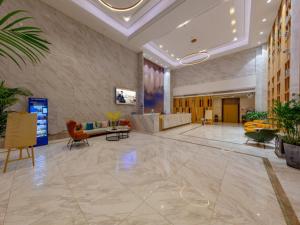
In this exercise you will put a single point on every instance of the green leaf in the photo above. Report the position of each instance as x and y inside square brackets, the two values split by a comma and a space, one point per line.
[19, 45]
[9, 15]
[9, 56]
[13, 51]
[1, 1]
[16, 21]
[32, 29]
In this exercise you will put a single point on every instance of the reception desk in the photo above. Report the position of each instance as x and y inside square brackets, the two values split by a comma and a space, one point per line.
[174, 120]
[148, 123]
[154, 122]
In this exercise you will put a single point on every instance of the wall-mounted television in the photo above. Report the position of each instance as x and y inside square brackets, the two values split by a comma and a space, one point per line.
[125, 97]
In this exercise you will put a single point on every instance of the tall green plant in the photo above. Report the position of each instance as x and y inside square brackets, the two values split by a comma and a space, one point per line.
[288, 118]
[20, 43]
[250, 116]
[8, 97]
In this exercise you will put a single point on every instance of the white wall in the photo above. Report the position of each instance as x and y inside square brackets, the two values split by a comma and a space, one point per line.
[167, 91]
[239, 71]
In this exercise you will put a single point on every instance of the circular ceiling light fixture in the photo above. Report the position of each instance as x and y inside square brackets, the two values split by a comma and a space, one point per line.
[194, 58]
[120, 9]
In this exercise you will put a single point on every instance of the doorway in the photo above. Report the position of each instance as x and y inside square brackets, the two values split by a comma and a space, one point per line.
[231, 110]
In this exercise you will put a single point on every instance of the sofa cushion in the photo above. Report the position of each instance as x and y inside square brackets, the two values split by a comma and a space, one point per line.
[89, 126]
[104, 124]
[96, 131]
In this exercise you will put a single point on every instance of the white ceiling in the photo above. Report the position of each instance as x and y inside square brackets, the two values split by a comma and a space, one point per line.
[152, 27]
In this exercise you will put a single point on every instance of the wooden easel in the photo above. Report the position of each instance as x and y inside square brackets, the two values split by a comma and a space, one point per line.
[20, 134]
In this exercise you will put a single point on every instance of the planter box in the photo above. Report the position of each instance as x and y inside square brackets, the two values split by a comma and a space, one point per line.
[292, 154]
[279, 149]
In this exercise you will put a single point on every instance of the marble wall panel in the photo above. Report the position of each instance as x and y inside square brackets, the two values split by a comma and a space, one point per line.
[79, 75]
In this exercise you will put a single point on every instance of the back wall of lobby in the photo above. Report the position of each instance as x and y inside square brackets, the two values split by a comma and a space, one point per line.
[79, 75]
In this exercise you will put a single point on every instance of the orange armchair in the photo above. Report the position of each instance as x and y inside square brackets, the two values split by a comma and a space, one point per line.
[76, 136]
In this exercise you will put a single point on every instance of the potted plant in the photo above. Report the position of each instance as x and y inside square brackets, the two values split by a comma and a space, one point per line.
[113, 118]
[287, 116]
[8, 97]
[250, 116]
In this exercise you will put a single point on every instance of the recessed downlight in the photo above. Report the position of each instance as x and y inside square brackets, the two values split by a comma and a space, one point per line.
[172, 55]
[234, 31]
[232, 10]
[161, 46]
[235, 39]
[233, 22]
[269, 1]
[264, 20]
[259, 43]
[127, 18]
[261, 33]
[183, 24]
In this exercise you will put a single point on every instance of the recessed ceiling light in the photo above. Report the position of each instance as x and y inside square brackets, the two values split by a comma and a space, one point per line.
[183, 24]
[161, 46]
[177, 59]
[235, 39]
[167, 51]
[233, 22]
[261, 33]
[259, 42]
[232, 11]
[126, 18]
[234, 31]
[269, 1]
[264, 20]
[172, 55]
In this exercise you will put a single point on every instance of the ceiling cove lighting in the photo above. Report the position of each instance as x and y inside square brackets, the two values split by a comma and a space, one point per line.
[233, 22]
[192, 59]
[232, 11]
[183, 24]
[120, 9]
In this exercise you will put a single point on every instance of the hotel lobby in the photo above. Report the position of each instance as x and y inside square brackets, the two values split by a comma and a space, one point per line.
[149, 112]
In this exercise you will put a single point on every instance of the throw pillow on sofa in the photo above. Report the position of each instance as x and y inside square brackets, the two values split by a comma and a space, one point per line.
[104, 124]
[89, 126]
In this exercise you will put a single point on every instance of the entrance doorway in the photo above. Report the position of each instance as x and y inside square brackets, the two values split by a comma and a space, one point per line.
[231, 110]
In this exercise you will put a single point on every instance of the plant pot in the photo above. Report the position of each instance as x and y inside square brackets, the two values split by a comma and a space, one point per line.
[279, 149]
[292, 155]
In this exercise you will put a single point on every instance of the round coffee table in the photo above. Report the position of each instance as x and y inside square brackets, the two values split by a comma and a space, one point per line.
[118, 133]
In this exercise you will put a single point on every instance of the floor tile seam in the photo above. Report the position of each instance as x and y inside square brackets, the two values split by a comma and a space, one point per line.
[10, 195]
[158, 212]
[209, 139]
[73, 196]
[285, 205]
[194, 128]
[210, 146]
[219, 190]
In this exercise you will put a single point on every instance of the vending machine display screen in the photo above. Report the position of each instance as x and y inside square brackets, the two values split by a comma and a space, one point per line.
[40, 107]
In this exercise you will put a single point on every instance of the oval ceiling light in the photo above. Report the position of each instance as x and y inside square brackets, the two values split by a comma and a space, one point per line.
[120, 9]
[192, 59]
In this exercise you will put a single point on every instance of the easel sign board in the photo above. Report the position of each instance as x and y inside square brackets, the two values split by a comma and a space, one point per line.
[21, 130]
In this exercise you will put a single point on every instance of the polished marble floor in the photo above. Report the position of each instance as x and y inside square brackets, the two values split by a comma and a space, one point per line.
[146, 179]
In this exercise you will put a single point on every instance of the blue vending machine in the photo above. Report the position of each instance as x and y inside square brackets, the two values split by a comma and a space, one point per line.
[40, 107]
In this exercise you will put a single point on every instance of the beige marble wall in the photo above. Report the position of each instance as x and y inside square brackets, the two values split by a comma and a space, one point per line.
[245, 65]
[79, 75]
[295, 49]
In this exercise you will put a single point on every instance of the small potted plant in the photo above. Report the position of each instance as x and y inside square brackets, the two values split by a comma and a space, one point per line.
[287, 116]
